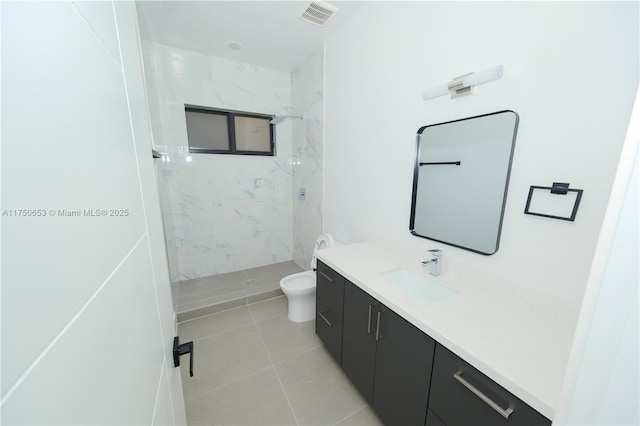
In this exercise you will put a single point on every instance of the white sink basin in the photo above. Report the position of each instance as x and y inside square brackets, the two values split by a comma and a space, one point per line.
[417, 285]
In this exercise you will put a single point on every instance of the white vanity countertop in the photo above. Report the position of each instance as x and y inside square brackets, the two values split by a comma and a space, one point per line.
[518, 338]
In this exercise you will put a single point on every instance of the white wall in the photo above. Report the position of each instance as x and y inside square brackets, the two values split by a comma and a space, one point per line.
[222, 213]
[307, 87]
[602, 383]
[87, 315]
[571, 71]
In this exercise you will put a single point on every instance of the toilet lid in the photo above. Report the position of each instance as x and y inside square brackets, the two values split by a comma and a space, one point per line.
[323, 241]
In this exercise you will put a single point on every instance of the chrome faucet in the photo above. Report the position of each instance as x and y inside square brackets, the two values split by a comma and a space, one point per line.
[435, 262]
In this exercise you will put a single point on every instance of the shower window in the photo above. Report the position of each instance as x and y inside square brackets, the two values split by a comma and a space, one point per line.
[216, 131]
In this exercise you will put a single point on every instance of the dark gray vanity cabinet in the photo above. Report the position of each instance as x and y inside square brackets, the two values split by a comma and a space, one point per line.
[329, 301]
[388, 359]
[407, 377]
[462, 395]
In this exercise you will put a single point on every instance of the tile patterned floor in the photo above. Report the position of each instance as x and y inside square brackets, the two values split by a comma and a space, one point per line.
[255, 367]
[206, 295]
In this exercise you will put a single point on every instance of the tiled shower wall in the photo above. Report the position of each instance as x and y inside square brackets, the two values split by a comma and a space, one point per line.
[222, 213]
[307, 95]
[225, 213]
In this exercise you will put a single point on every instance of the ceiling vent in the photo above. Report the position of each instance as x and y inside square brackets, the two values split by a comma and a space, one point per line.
[317, 12]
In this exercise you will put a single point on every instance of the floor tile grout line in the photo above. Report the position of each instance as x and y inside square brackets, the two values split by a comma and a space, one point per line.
[275, 370]
[199, 307]
[231, 309]
[230, 383]
[214, 313]
[246, 297]
[297, 355]
[210, 293]
[201, 297]
[351, 414]
[217, 333]
[254, 323]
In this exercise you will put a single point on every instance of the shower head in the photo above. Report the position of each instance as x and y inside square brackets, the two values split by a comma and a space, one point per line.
[279, 118]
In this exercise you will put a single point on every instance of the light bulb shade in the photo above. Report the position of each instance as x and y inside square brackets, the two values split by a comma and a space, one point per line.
[434, 92]
[483, 76]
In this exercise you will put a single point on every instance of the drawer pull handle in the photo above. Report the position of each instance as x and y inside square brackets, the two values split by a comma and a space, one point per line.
[504, 413]
[326, 276]
[378, 336]
[369, 321]
[329, 323]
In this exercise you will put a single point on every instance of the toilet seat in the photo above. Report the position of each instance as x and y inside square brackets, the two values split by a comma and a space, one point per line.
[299, 283]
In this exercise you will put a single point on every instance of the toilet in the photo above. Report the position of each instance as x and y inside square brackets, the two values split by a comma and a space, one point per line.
[300, 288]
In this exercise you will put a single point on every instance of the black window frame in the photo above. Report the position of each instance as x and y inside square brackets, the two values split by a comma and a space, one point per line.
[231, 130]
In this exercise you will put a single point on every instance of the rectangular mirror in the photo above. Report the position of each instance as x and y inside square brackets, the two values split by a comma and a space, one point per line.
[461, 178]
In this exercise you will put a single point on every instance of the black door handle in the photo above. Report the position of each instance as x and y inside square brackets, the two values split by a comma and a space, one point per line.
[182, 349]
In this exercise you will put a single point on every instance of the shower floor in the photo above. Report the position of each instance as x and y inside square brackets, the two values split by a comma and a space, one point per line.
[207, 295]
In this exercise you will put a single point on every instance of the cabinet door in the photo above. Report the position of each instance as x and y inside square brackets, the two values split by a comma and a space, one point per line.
[330, 288]
[404, 359]
[358, 338]
[433, 420]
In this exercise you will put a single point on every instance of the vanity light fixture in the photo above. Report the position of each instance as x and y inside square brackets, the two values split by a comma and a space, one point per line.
[463, 85]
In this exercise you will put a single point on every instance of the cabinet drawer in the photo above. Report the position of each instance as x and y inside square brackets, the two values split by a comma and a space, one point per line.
[329, 330]
[456, 389]
[330, 288]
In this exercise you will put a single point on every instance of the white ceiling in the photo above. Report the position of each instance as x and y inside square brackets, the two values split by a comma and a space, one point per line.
[271, 33]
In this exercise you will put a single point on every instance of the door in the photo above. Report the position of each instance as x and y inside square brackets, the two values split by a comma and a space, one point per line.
[83, 260]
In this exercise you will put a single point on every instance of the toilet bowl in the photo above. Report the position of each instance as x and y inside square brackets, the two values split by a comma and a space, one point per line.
[300, 288]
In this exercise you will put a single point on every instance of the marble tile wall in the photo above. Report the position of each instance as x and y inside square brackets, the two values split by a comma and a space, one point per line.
[307, 101]
[154, 82]
[222, 213]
